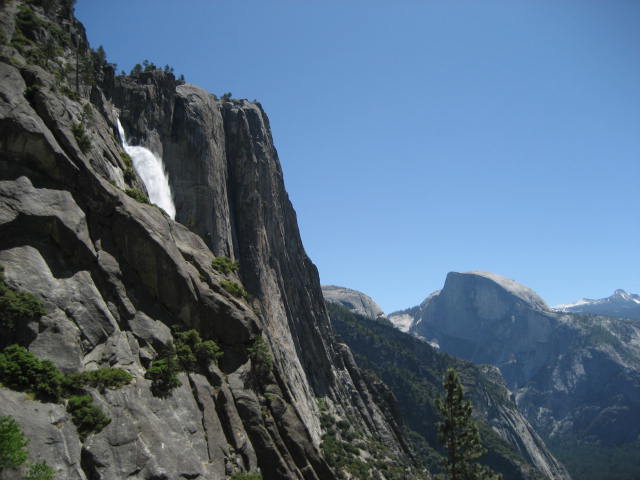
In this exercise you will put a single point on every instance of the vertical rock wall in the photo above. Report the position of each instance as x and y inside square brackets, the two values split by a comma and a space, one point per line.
[229, 188]
[115, 273]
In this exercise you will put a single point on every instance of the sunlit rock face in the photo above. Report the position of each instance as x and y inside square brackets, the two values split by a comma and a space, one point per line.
[487, 318]
[575, 376]
[355, 301]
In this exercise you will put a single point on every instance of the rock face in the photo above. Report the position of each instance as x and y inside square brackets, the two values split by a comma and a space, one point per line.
[228, 186]
[487, 318]
[354, 300]
[413, 369]
[621, 304]
[576, 377]
[114, 273]
[406, 320]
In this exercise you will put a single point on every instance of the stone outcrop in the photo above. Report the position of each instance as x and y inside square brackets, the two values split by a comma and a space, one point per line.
[115, 274]
[354, 300]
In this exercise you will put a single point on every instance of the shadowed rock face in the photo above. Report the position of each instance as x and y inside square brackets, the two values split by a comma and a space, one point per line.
[574, 376]
[114, 273]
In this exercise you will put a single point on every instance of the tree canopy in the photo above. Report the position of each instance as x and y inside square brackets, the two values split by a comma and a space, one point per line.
[459, 434]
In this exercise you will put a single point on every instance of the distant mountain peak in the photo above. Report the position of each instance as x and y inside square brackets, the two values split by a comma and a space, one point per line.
[556, 364]
[620, 304]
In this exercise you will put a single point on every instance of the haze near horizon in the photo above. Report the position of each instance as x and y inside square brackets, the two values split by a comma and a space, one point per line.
[418, 138]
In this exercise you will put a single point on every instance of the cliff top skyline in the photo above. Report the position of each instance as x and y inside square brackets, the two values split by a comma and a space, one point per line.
[429, 137]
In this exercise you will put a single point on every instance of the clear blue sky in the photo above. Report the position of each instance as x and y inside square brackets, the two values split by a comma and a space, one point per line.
[421, 137]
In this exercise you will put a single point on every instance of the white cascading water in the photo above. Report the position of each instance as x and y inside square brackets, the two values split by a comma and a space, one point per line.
[151, 171]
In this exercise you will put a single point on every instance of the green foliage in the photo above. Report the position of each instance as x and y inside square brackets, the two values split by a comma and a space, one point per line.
[101, 379]
[226, 97]
[148, 66]
[344, 450]
[594, 461]
[87, 112]
[234, 289]
[260, 356]
[163, 372]
[13, 452]
[29, 40]
[21, 370]
[343, 425]
[344, 456]
[86, 416]
[69, 92]
[207, 352]
[189, 353]
[99, 57]
[126, 159]
[20, 42]
[192, 351]
[246, 476]
[129, 173]
[62, 37]
[17, 306]
[80, 134]
[40, 471]
[413, 370]
[45, 4]
[91, 65]
[224, 265]
[31, 91]
[137, 195]
[322, 404]
[353, 455]
[47, 52]
[459, 434]
[26, 27]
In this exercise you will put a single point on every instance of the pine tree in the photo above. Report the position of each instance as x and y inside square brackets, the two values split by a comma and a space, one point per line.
[13, 452]
[459, 434]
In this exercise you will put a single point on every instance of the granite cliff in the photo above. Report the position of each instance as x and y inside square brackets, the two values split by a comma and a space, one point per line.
[115, 274]
[413, 369]
[575, 377]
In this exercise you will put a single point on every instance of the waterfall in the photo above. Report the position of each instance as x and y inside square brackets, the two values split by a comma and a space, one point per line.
[151, 170]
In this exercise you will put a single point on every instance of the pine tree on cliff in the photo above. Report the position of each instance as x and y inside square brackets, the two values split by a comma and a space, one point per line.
[459, 434]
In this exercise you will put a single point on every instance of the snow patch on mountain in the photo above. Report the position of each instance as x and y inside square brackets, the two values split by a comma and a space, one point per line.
[620, 304]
